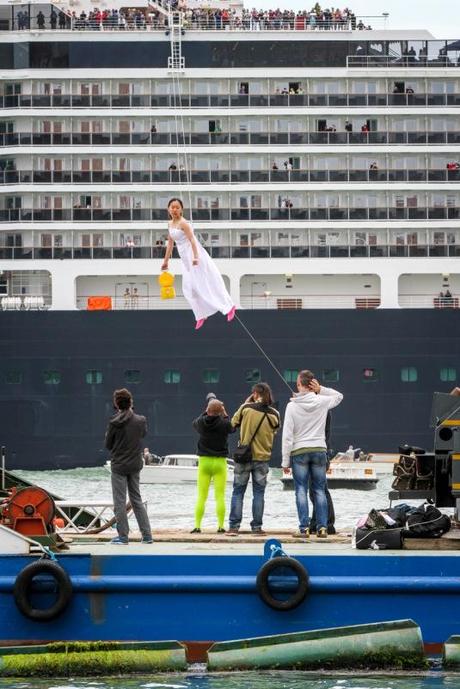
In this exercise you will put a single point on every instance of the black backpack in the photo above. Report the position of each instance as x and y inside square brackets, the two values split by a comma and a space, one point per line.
[426, 521]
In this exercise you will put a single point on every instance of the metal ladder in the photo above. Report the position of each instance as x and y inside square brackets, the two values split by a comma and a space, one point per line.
[176, 61]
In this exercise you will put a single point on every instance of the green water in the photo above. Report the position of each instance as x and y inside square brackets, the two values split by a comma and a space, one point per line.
[167, 511]
[268, 680]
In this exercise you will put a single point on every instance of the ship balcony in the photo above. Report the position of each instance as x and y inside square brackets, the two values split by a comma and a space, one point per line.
[372, 138]
[261, 251]
[311, 100]
[225, 176]
[313, 214]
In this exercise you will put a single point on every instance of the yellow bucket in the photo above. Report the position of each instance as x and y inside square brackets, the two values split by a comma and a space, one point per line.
[166, 282]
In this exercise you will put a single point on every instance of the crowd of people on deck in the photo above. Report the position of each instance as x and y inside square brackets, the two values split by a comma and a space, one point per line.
[195, 18]
[304, 457]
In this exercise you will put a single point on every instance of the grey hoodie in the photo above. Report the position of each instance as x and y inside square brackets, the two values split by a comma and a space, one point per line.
[123, 438]
[305, 420]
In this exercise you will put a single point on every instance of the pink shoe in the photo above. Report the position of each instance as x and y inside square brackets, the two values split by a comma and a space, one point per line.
[200, 323]
[231, 314]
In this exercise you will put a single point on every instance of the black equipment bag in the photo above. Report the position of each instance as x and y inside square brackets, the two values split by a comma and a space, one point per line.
[243, 453]
[426, 521]
[378, 539]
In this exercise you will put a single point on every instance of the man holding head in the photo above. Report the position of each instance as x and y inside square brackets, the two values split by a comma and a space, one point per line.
[304, 447]
[213, 427]
[123, 438]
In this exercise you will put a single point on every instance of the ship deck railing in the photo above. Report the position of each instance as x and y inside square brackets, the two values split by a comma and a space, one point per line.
[262, 251]
[225, 176]
[154, 21]
[232, 138]
[380, 213]
[371, 61]
[275, 100]
[275, 301]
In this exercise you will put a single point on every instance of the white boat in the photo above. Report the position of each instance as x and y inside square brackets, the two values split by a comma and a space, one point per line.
[175, 469]
[381, 463]
[347, 475]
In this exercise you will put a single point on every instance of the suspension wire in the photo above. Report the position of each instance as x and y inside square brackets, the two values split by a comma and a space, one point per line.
[263, 352]
[178, 114]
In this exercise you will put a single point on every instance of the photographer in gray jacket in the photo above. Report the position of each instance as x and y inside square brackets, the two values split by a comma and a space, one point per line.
[123, 438]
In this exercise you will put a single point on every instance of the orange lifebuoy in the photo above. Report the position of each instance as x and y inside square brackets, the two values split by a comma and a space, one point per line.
[99, 303]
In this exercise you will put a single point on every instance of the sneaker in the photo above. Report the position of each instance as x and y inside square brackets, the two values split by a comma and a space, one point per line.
[221, 530]
[232, 532]
[195, 530]
[119, 541]
[302, 533]
[147, 539]
[258, 532]
[322, 532]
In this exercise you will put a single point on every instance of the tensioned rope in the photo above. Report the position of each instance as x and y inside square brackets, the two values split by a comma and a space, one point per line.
[178, 113]
[272, 364]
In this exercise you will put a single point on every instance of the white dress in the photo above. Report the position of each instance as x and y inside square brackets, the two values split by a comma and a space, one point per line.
[202, 285]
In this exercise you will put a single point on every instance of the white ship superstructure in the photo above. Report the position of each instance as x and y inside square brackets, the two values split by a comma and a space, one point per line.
[319, 165]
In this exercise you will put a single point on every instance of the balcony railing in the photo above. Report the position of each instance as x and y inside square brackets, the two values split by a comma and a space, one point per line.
[207, 214]
[200, 21]
[367, 61]
[229, 101]
[223, 176]
[233, 138]
[251, 252]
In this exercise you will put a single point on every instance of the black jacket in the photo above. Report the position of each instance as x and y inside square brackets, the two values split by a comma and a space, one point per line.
[123, 439]
[214, 432]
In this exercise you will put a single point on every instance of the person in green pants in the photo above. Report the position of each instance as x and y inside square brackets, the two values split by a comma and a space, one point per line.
[213, 427]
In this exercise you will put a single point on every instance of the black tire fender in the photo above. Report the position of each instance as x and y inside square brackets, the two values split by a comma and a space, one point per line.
[263, 587]
[22, 585]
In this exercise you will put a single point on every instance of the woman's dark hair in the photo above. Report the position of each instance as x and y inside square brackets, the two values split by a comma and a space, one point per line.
[122, 399]
[264, 391]
[179, 201]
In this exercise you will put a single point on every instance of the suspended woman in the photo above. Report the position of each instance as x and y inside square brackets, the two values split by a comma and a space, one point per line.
[202, 284]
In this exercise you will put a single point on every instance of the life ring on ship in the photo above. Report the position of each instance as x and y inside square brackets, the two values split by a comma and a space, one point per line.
[263, 583]
[22, 586]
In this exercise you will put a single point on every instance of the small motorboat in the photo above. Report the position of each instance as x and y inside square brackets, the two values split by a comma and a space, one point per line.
[382, 463]
[347, 475]
[175, 469]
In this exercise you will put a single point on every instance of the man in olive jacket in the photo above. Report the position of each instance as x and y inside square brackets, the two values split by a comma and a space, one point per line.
[123, 438]
[257, 409]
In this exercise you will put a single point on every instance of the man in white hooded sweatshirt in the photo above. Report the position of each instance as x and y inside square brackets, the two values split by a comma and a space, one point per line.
[304, 447]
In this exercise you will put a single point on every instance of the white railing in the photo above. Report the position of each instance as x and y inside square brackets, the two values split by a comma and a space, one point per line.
[138, 303]
[28, 303]
[190, 22]
[295, 301]
[428, 301]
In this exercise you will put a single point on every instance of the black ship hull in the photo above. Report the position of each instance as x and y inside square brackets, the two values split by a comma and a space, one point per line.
[58, 371]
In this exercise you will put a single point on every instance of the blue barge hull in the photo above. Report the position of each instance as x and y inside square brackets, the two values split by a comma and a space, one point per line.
[212, 596]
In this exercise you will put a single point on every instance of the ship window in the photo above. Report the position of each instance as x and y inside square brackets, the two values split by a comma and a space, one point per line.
[13, 377]
[330, 375]
[172, 376]
[370, 375]
[409, 374]
[211, 375]
[252, 375]
[132, 376]
[94, 377]
[290, 375]
[448, 374]
[51, 377]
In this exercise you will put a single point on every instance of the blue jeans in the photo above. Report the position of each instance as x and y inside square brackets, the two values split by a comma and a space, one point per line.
[259, 471]
[310, 465]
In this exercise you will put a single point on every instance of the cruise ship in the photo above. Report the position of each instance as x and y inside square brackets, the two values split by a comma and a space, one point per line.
[317, 156]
